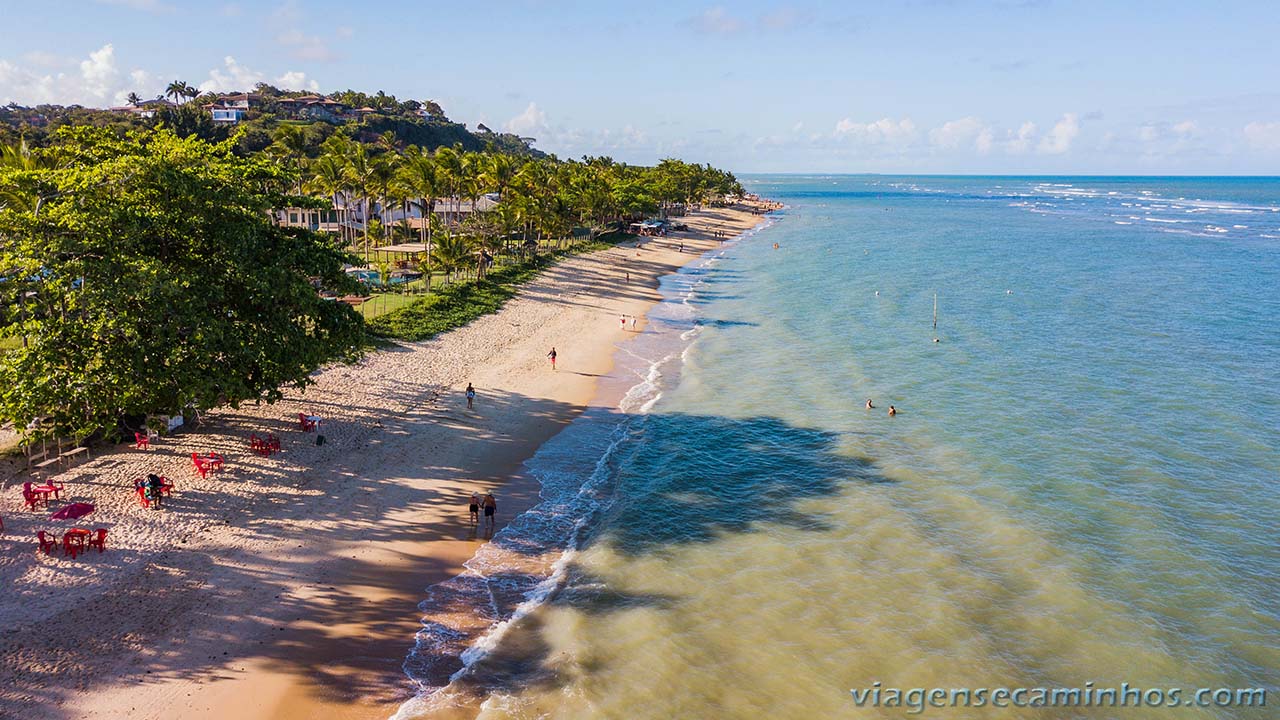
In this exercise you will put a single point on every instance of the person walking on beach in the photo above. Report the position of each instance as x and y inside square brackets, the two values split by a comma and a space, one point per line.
[552, 355]
[623, 319]
[475, 508]
[471, 397]
[490, 508]
[633, 323]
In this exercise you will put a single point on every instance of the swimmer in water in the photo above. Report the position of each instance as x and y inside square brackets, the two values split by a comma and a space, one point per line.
[892, 411]
[869, 405]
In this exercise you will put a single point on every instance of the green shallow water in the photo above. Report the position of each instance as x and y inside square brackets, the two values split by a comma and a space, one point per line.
[1080, 485]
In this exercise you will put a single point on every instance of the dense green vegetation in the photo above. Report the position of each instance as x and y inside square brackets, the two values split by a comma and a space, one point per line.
[143, 270]
[423, 124]
[143, 275]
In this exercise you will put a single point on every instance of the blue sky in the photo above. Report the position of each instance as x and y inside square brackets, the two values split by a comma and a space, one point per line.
[913, 86]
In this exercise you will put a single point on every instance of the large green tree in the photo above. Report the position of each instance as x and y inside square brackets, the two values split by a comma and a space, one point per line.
[148, 277]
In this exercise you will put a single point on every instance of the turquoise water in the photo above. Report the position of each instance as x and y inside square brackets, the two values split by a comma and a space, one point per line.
[1080, 484]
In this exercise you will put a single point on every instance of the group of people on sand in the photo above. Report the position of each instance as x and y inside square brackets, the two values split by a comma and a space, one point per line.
[490, 505]
[626, 320]
[892, 410]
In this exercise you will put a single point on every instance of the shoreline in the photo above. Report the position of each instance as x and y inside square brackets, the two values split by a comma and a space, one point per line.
[303, 600]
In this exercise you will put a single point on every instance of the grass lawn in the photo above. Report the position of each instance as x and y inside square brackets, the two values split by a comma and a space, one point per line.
[383, 303]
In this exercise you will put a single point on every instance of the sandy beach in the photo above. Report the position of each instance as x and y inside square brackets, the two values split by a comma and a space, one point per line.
[288, 586]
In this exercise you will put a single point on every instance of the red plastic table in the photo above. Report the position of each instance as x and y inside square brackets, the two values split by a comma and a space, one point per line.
[73, 541]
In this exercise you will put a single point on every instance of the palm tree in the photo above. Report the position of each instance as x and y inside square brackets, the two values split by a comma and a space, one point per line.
[529, 184]
[383, 174]
[451, 253]
[497, 172]
[451, 170]
[389, 142]
[359, 171]
[419, 175]
[329, 176]
[134, 99]
[191, 92]
[19, 193]
[291, 143]
[176, 89]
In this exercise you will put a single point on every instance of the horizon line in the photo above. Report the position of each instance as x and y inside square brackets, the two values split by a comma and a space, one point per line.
[803, 173]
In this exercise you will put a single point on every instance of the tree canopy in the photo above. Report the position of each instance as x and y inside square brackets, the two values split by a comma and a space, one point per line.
[143, 274]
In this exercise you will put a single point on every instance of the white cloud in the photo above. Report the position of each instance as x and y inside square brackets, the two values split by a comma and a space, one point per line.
[294, 80]
[716, 20]
[1263, 136]
[884, 131]
[960, 133]
[624, 143]
[99, 71]
[1165, 139]
[985, 141]
[530, 121]
[94, 81]
[1058, 140]
[234, 77]
[1020, 142]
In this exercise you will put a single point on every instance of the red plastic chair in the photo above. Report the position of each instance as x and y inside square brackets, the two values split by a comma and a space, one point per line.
[201, 466]
[166, 486]
[262, 446]
[273, 443]
[141, 441]
[47, 542]
[99, 539]
[30, 497]
[214, 461]
[56, 489]
[305, 423]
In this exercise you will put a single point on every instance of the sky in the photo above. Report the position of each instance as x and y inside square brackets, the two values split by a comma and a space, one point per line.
[893, 86]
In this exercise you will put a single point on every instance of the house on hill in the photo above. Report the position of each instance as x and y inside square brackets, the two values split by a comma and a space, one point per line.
[144, 109]
[229, 109]
[313, 107]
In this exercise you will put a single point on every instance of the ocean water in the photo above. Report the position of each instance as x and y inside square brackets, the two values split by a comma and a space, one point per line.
[1080, 488]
